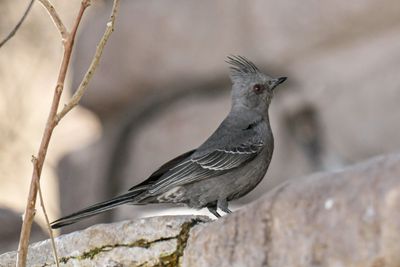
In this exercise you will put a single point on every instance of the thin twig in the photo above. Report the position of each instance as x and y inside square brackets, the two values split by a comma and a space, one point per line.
[12, 33]
[54, 118]
[56, 18]
[50, 124]
[93, 65]
[53, 245]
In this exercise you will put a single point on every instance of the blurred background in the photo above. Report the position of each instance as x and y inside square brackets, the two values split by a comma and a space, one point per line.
[162, 87]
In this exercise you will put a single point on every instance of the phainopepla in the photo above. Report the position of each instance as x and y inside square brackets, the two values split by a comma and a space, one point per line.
[228, 165]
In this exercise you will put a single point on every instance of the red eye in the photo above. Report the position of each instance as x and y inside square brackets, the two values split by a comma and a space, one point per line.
[258, 88]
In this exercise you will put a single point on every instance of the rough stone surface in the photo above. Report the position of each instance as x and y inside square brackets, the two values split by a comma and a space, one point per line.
[156, 241]
[348, 218]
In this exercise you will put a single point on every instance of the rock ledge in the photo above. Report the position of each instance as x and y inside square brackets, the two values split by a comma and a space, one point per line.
[348, 218]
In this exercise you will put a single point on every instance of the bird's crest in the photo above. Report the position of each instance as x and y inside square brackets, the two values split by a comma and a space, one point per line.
[241, 67]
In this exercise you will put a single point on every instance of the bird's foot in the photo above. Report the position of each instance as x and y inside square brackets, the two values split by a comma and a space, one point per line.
[213, 210]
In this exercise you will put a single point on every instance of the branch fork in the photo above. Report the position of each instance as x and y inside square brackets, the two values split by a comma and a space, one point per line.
[53, 119]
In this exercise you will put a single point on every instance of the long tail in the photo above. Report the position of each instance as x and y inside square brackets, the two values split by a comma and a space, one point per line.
[129, 197]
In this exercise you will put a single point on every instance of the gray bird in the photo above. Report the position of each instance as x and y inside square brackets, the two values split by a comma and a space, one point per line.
[227, 166]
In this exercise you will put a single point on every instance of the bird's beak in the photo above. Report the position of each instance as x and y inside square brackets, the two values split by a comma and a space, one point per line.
[278, 81]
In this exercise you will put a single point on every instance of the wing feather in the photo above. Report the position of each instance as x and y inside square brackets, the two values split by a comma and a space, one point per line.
[214, 163]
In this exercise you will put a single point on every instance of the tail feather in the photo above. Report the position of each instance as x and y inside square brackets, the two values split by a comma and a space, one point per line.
[96, 209]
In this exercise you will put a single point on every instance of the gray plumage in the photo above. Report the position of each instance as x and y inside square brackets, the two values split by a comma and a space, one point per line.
[228, 165]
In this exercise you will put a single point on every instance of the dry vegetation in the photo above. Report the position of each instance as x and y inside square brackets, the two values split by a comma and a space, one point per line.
[68, 36]
[28, 70]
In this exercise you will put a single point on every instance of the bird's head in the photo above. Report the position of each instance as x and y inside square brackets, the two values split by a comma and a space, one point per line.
[251, 89]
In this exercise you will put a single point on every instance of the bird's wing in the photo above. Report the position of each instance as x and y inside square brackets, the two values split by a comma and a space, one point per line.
[206, 165]
[166, 167]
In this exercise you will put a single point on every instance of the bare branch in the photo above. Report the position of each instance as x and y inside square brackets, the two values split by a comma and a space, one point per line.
[93, 65]
[13, 31]
[53, 118]
[50, 125]
[84, 4]
[53, 245]
[56, 19]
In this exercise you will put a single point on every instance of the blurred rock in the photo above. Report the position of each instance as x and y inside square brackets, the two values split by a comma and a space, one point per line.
[344, 218]
[156, 45]
[348, 218]
[83, 180]
[10, 229]
[355, 91]
[161, 87]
